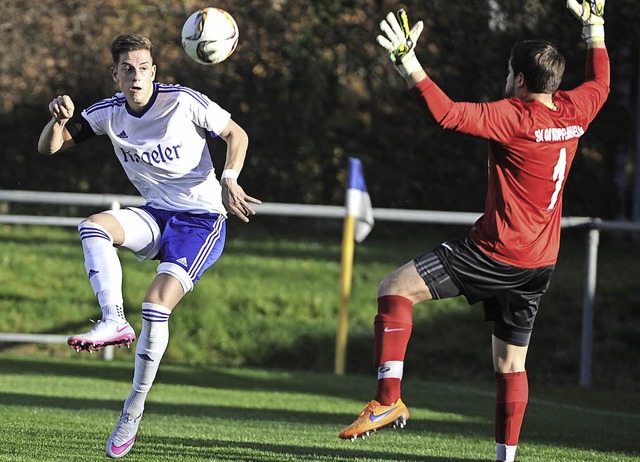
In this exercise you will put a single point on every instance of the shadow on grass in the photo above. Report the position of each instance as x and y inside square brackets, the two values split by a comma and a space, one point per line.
[213, 449]
[221, 450]
[229, 413]
[355, 387]
[547, 423]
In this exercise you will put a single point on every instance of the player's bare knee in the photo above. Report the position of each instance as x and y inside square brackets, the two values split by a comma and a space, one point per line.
[88, 224]
[388, 287]
[405, 282]
[177, 274]
[166, 290]
[106, 222]
[101, 219]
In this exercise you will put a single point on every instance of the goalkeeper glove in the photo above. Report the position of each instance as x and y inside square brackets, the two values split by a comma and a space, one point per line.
[590, 12]
[400, 42]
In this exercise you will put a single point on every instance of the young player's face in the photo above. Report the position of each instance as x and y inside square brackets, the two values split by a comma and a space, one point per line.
[134, 75]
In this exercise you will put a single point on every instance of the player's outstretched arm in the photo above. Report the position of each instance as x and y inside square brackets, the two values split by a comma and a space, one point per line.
[400, 42]
[591, 14]
[54, 136]
[235, 200]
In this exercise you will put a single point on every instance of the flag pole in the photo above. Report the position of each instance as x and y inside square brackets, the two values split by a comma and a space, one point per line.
[358, 222]
[346, 274]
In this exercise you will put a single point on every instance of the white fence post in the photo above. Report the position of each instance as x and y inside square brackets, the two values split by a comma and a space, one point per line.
[593, 240]
[107, 353]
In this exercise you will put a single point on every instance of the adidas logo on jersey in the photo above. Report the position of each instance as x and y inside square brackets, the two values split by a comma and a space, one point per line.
[122, 135]
[182, 261]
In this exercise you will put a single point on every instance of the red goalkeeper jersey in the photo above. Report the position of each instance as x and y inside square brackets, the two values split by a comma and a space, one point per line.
[531, 148]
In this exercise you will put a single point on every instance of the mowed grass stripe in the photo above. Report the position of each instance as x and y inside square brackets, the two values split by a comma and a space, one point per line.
[64, 409]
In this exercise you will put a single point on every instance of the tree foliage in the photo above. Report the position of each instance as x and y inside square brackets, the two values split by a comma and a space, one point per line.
[312, 88]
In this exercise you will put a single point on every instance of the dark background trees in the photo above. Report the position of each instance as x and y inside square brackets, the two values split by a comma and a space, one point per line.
[311, 87]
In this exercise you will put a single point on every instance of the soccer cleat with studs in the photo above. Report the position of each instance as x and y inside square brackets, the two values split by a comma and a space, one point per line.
[123, 436]
[375, 416]
[104, 333]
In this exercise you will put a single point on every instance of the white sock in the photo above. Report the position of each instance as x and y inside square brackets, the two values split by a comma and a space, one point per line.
[505, 453]
[102, 264]
[152, 343]
[114, 312]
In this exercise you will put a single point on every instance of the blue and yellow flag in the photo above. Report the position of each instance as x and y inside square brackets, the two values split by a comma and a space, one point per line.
[358, 202]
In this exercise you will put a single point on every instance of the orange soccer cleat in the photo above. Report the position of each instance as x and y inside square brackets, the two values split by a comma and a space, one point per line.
[375, 416]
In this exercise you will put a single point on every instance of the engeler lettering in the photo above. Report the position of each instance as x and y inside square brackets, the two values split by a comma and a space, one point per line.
[156, 156]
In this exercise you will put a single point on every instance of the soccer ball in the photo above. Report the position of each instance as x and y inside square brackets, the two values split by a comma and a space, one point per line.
[210, 36]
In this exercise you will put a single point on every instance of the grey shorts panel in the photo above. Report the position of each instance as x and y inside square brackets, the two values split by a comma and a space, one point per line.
[432, 271]
[510, 295]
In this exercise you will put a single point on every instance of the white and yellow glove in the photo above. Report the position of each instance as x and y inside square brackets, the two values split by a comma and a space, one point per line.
[400, 42]
[591, 13]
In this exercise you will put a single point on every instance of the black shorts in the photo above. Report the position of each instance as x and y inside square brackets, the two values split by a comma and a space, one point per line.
[510, 295]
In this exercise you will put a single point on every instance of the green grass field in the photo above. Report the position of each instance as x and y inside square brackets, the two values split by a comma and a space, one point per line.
[247, 375]
[272, 301]
[64, 409]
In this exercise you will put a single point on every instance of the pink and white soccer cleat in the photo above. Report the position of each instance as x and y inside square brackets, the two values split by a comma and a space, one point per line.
[123, 436]
[104, 333]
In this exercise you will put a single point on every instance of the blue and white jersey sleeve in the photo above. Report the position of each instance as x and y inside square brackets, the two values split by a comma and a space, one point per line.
[205, 113]
[99, 114]
[163, 149]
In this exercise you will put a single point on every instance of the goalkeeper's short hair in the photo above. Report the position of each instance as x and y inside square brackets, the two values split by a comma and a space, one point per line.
[541, 64]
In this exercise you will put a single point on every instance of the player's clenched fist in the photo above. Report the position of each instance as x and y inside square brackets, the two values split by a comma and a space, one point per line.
[591, 13]
[61, 108]
[400, 41]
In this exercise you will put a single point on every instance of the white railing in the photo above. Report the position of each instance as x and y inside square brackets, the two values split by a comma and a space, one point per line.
[114, 201]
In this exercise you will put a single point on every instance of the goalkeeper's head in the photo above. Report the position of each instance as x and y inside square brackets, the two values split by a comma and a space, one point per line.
[540, 64]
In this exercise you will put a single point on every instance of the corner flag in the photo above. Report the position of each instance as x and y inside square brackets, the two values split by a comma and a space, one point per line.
[358, 202]
[358, 222]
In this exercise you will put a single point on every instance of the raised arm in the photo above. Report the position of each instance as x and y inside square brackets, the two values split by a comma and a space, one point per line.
[400, 42]
[591, 14]
[54, 136]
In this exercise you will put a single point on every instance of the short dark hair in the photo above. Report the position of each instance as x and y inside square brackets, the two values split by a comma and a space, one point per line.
[541, 64]
[129, 42]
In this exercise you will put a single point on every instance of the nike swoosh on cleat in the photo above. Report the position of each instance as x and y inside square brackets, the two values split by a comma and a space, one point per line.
[120, 449]
[376, 418]
[120, 329]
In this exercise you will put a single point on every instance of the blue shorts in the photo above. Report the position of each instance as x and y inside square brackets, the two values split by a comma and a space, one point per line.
[188, 243]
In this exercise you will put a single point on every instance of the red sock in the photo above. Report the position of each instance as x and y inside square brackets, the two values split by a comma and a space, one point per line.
[512, 394]
[392, 329]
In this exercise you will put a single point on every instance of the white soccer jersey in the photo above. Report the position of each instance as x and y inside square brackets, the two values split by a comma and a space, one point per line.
[163, 149]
